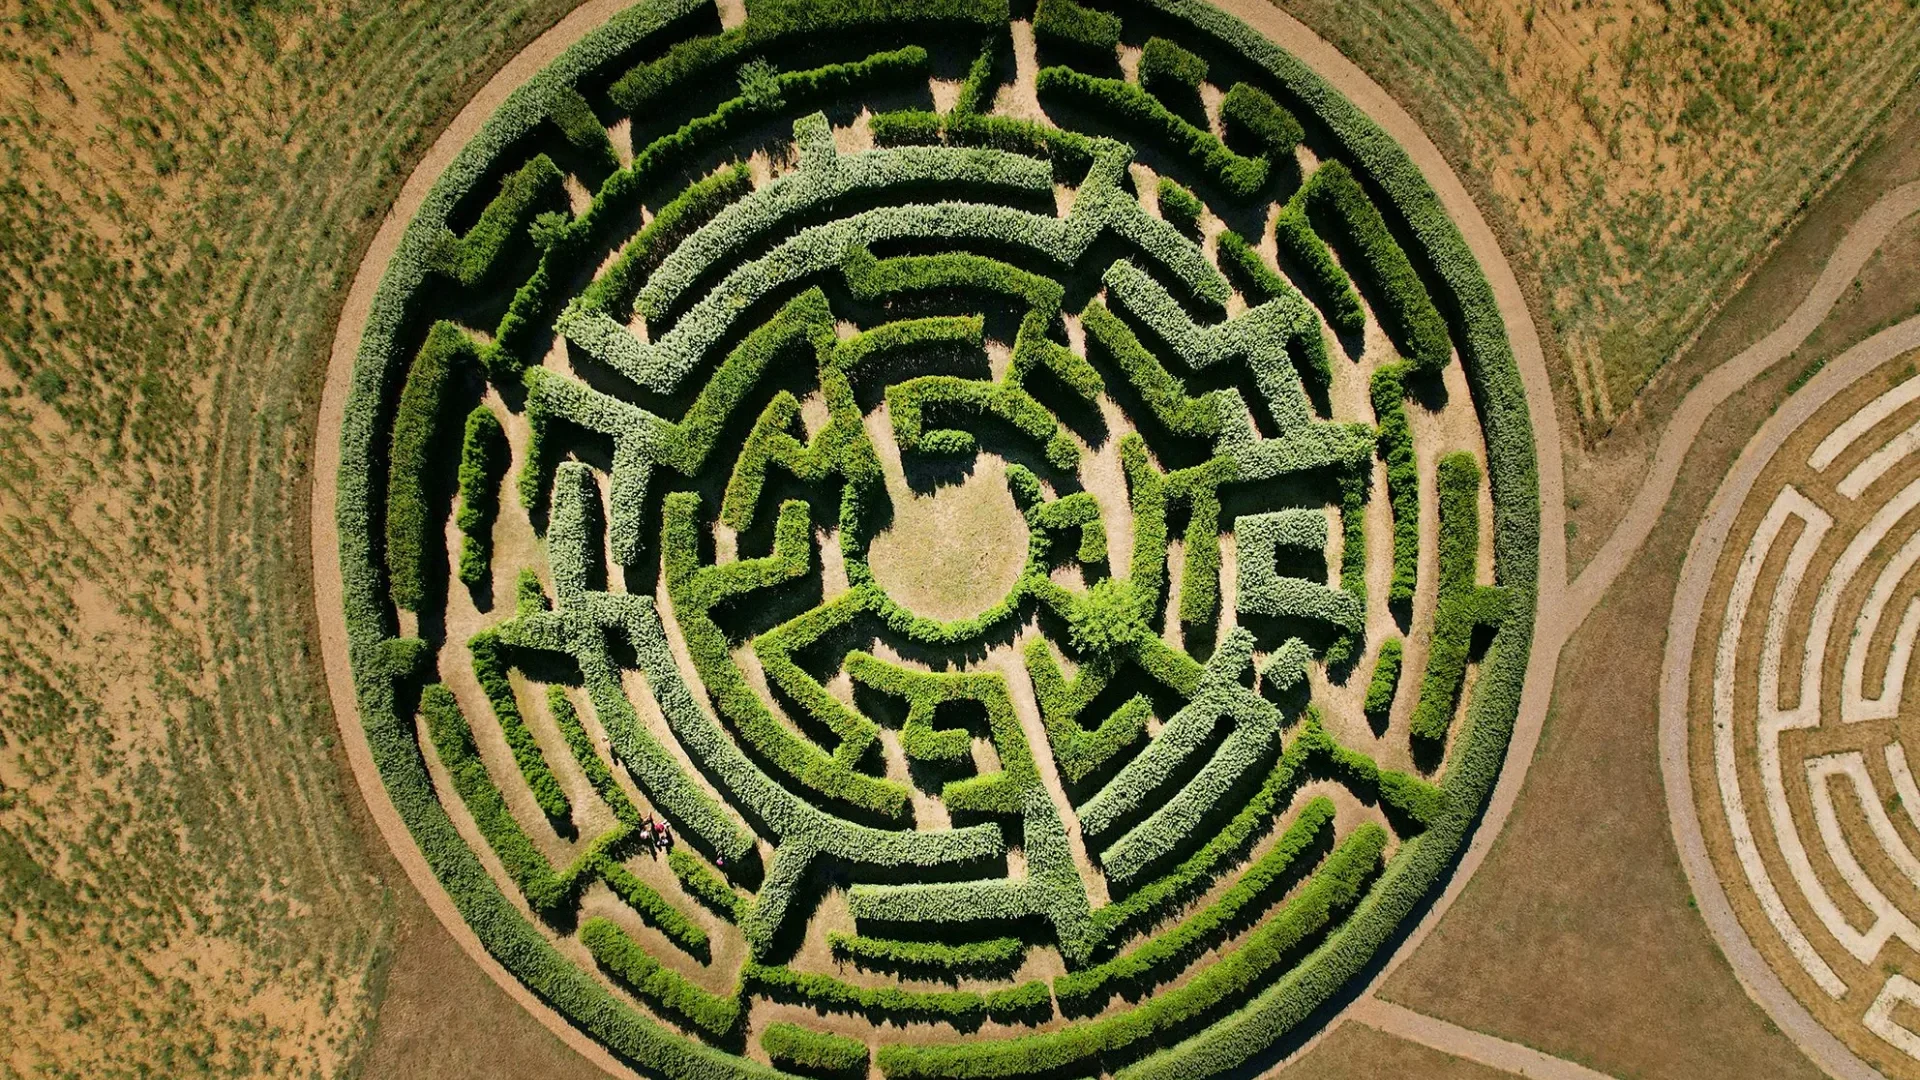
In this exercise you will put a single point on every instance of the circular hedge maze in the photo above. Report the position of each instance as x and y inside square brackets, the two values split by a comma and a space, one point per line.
[926, 540]
[1792, 675]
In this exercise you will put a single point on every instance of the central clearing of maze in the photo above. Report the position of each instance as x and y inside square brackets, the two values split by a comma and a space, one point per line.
[935, 540]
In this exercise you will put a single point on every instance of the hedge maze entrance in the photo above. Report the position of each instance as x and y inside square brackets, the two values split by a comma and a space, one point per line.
[739, 779]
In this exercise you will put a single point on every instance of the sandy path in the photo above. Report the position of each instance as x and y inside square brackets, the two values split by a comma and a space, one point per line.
[1703, 556]
[1465, 1043]
[326, 547]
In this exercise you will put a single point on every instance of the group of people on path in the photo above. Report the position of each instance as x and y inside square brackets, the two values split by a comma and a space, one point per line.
[656, 835]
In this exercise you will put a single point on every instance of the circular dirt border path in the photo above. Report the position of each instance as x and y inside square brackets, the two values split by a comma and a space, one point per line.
[1329, 64]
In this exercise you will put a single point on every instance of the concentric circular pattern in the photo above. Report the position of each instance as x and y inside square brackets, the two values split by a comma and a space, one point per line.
[978, 546]
[1802, 782]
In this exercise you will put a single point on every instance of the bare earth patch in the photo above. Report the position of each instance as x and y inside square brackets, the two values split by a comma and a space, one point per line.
[955, 550]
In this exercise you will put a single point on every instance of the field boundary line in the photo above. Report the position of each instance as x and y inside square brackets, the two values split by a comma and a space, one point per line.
[1475, 1046]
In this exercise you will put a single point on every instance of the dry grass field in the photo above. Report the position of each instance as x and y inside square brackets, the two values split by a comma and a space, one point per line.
[185, 191]
[186, 188]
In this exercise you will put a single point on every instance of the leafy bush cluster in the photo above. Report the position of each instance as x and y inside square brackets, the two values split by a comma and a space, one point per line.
[552, 893]
[706, 886]
[1262, 589]
[411, 537]
[1164, 955]
[1326, 279]
[818, 1053]
[1079, 751]
[1250, 115]
[1171, 73]
[1072, 25]
[968, 123]
[696, 591]
[1332, 890]
[1180, 207]
[490, 669]
[483, 461]
[775, 23]
[471, 258]
[1386, 679]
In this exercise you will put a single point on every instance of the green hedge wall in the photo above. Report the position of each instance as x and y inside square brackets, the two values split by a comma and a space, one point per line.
[483, 462]
[1171, 73]
[791, 1046]
[1388, 389]
[1406, 311]
[1067, 24]
[1462, 605]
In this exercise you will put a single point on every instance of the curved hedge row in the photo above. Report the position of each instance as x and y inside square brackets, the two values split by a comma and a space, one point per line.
[925, 957]
[1407, 312]
[1333, 888]
[483, 462]
[791, 1046]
